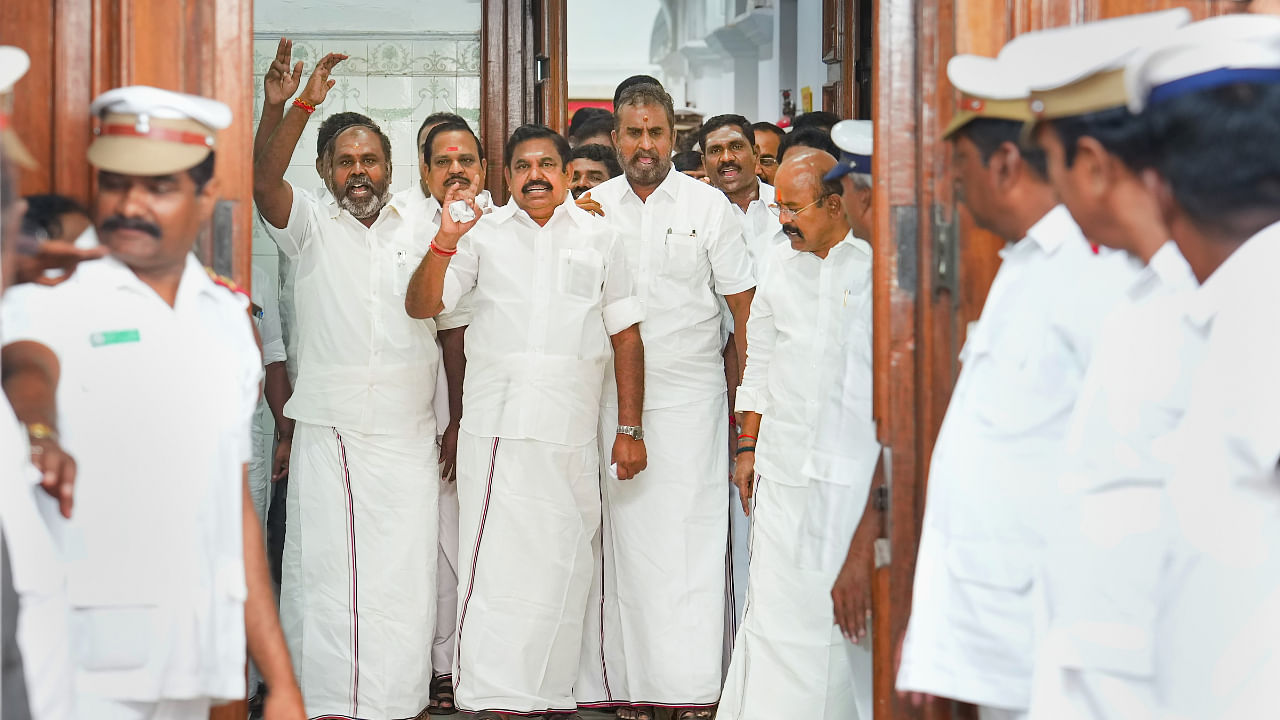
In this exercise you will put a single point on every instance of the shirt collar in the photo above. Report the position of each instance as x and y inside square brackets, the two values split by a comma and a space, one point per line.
[1250, 263]
[848, 243]
[195, 279]
[567, 209]
[670, 185]
[1166, 269]
[1054, 229]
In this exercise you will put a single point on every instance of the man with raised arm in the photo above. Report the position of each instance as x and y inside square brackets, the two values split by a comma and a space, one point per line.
[550, 296]
[359, 569]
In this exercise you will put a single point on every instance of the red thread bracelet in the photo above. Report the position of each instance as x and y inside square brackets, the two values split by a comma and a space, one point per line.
[303, 104]
[744, 435]
[441, 251]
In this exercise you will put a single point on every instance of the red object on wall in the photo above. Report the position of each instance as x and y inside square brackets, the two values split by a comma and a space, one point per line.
[575, 105]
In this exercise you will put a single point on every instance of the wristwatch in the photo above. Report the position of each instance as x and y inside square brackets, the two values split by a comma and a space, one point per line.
[635, 432]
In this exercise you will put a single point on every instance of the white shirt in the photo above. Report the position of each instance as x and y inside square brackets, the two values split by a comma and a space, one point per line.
[1100, 572]
[805, 320]
[267, 318]
[363, 363]
[758, 219]
[426, 206]
[996, 461]
[544, 301]
[155, 404]
[683, 246]
[809, 373]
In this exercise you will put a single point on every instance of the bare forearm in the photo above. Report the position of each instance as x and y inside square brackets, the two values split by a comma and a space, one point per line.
[453, 342]
[278, 390]
[272, 194]
[871, 526]
[262, 624]
[740, 306]
[424, 297]
[628, 367]
[271, 117]
[30, 377]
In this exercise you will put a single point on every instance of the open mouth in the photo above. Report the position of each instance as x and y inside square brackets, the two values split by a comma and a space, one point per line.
[359, 191]
[536, 189]
[729, 172]
[792, 232]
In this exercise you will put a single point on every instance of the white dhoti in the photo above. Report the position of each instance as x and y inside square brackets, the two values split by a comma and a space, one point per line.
[791, 660]
[96, 708]
[446, 582]
[527, 513]
[260, 488]
[357, 597]
[738, 565]
[665, 549]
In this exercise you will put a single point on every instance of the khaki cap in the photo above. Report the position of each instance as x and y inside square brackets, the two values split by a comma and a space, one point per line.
[14, 63]
[148, 131]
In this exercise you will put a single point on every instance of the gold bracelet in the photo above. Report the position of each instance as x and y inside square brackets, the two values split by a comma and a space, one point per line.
[40, 431]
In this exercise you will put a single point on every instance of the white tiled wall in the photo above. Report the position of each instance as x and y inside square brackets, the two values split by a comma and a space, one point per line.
[396, 80]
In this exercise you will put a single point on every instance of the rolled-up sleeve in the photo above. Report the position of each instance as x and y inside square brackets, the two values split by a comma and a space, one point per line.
[460, 278]
[731, 268]
[622, 308]
[460, 316]
[762, 332]
[293, 237]
[272, 334]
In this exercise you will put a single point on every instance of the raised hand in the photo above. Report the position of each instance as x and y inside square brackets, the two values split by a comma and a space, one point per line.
[280, 83]
[318, 84]
[451, 231]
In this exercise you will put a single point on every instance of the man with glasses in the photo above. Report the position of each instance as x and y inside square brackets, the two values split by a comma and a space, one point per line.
[811, 318]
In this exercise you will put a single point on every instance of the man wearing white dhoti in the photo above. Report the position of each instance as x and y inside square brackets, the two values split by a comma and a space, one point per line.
[549, 293]
[664, 545]
[359, 568]
[810, 325]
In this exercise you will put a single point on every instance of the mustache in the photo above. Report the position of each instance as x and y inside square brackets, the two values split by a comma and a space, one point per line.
[355, 181]
[791, 229]
[457, 179]
[535, 185]
[729, 166]
[578, 190]
[120, 222]
[644, 154]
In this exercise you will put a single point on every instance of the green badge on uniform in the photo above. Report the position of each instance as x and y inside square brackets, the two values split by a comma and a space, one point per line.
[114, 337]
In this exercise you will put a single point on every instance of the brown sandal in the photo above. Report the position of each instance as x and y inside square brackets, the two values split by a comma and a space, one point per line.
[634, 712]
[695, 714]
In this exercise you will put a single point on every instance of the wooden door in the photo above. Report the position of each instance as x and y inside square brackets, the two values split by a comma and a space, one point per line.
[932, 266]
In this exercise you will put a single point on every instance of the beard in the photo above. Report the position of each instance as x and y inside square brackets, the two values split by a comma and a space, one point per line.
[364, 207]
[642, 175]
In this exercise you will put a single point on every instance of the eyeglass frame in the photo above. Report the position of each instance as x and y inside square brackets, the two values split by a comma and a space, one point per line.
[777, 209]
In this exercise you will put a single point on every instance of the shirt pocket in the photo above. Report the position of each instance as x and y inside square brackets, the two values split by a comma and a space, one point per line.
[580, 273]
[109, 638]
[403, 263]
[680, 259]
[1021, 384]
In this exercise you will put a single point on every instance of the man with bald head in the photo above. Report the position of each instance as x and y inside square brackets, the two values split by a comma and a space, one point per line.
[359, 571]
[810, 321]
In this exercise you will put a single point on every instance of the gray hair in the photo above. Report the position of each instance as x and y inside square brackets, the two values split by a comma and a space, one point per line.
[861, 181]
[645, 94]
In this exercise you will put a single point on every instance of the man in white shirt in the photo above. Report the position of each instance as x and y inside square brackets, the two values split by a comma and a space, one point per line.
[664, 549]
[1135, 390]
[159, 375]
[994, 468]
[550, 292]
[810, 314]
[451, 157]
[359, 569]
[1196, 637]
[730, 156]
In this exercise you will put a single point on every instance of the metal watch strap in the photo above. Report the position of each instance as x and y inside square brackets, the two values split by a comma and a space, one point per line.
[635, 432]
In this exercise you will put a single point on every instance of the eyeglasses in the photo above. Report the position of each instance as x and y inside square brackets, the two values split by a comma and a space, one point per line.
[768, 161]
[779, 210]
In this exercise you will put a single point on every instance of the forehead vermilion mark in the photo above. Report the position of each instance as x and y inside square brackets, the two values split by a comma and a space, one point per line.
[646, 118]
[451, 149]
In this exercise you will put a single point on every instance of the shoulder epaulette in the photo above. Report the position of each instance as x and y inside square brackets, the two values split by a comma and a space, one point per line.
[225, 282]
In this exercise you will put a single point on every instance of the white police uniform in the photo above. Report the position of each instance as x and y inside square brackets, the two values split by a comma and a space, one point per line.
[972, 627]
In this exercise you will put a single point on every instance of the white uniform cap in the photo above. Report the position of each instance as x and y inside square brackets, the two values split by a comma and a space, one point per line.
[1211, 53]
[989, 88]
[148, 131]
[14, 63]
[855, 138]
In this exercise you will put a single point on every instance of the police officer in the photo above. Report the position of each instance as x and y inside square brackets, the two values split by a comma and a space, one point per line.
[159, 379]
